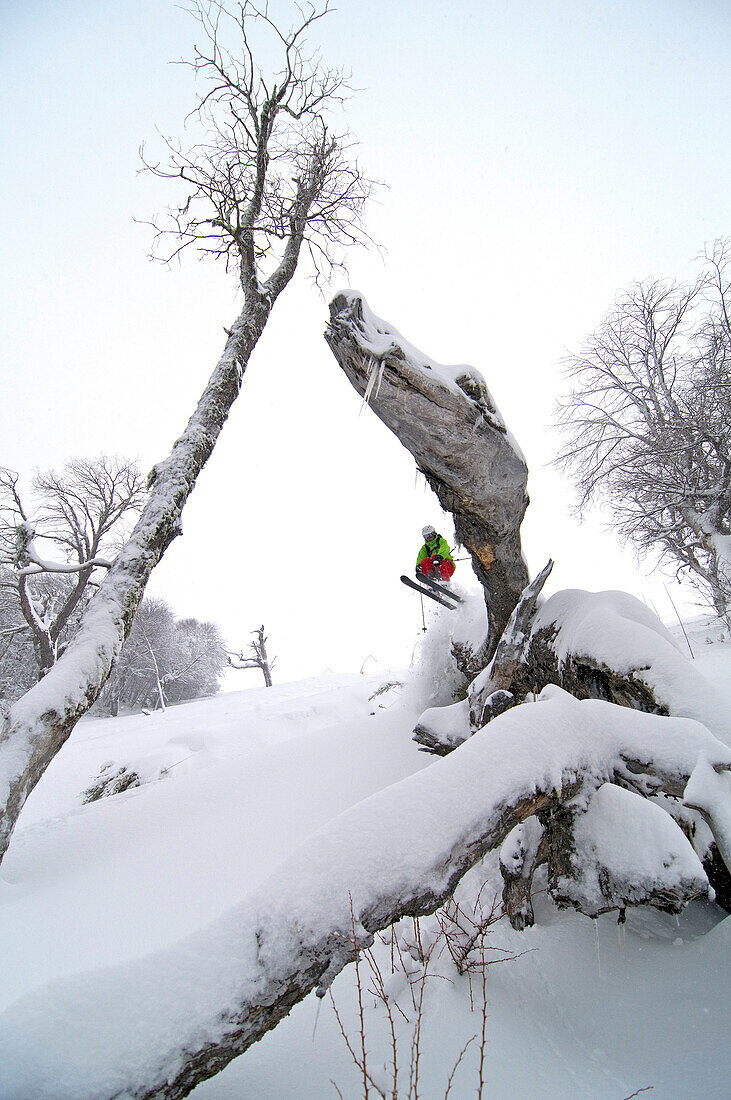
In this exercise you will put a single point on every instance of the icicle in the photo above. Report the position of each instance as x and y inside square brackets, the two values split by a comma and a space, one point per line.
[596, 944]
[317, 1018]
[375, 377]
[621, 935]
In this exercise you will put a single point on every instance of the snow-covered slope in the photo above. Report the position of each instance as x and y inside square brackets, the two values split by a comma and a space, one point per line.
[230, 787]
[250, 774]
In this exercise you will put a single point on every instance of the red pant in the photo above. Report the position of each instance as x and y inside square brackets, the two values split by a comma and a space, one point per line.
[445, 569]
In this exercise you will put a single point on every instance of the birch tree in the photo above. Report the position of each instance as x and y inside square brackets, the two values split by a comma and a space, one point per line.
[646, 423]
[269, 178]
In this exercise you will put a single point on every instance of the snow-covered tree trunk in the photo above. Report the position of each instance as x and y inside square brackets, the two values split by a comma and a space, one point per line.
[41, 721]
[157, 1026]
[268, 177]
[447, 419]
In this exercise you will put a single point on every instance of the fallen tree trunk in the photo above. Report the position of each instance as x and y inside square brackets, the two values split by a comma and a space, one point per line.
[158, 1026]
[446, 418]
[609, 645]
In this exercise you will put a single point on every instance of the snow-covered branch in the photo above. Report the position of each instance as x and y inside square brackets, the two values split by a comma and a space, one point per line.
[41, 565]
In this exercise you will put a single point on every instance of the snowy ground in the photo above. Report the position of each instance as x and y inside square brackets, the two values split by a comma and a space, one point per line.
[231, 786]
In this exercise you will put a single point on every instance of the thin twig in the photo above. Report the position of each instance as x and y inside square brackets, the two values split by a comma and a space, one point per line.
[457, 1064]
[682, 627]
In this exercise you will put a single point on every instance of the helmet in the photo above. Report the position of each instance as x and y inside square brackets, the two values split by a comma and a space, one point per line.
[428, 532]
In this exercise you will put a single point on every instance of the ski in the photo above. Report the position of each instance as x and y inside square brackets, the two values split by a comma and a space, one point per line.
[430, 592]
[442, 589]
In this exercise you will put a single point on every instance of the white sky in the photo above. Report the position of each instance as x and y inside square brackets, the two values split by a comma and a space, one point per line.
[539, 157]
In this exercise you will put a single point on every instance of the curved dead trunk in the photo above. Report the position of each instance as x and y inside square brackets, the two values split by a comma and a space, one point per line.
[447, 419]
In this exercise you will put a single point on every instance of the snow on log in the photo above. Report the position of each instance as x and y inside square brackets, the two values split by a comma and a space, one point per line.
[158, 1025]
[609, 645]
[447, 419]
[441, 729]
[628, 851]
[710, 794]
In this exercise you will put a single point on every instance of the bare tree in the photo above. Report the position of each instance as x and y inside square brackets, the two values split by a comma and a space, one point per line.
[77, 511]
[164, 660]
[269, 178]
[269, 175]
[647, 423]
[255, 657]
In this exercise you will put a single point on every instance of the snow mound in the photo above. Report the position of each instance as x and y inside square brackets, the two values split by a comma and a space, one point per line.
[627, 850]
[617, 630]
[435, 678]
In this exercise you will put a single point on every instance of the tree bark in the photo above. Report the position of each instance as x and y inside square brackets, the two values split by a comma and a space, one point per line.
[585, 677]
[459, 442]
[488, 690]
[41, 721]
[526, 851]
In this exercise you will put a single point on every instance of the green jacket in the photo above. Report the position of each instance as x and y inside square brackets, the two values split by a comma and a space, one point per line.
[438, 546]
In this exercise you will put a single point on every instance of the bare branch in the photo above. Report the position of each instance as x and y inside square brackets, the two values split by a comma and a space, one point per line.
[268, 170]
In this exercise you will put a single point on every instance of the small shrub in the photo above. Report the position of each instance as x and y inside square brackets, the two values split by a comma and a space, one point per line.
[110, 783]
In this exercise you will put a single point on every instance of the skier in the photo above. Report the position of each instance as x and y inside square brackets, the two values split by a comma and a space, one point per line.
[435, 556]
